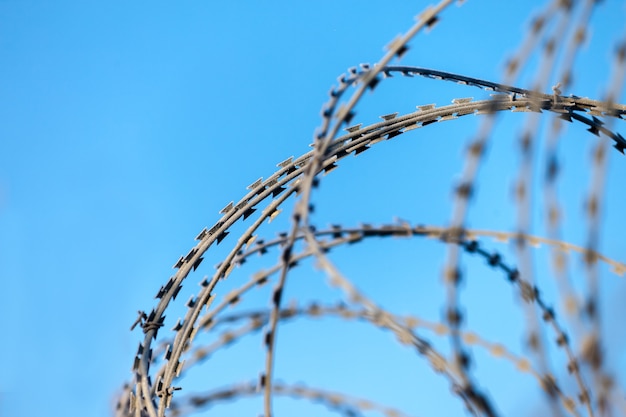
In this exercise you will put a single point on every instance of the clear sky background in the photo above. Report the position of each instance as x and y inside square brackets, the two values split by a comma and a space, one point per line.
[126, 126]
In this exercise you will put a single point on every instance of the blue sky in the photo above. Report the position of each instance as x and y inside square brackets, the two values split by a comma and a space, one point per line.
[126, 127]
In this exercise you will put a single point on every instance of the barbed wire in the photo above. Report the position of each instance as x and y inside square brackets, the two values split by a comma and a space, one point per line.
[162, 359]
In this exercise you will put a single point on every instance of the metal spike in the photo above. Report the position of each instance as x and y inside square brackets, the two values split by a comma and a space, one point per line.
[303, 160]
[427, 15]
[389, 116]
[179, 367]
[241, 204]
[161, 293]
[565, 116]
[136, 363]
[255, 184]
[344, 114]
[597, 112]
[354, 128]
[394, 43]
[248, 212]
[373, 83]
[358, 148]
[176, 291]
[215, 227]
[273, 215]
[202, 234]
[285, 163]
[250, 240]
[132, 402]
[222, 236]
[179, 263]
[228, 208]
[426, 107]
[620, 145]
[597, 121]
[392, 134]
[169, 284]
[432, 22]
[191, 253]
[594, 130]
[271, 180]
[277, 191]
[414, 126]
[197, 263]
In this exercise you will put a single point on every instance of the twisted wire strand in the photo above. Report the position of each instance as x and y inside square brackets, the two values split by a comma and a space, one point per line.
[403, 333]
[476, 401]
[352, 235]
[593, 343]
[349, 235]
[523, 191]
[355, 141]
[344, 114]
[537, 27]
[463, 192]
[439, 364]
[553, 208]
[569, 109]
[335, 401]
[528, 292]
